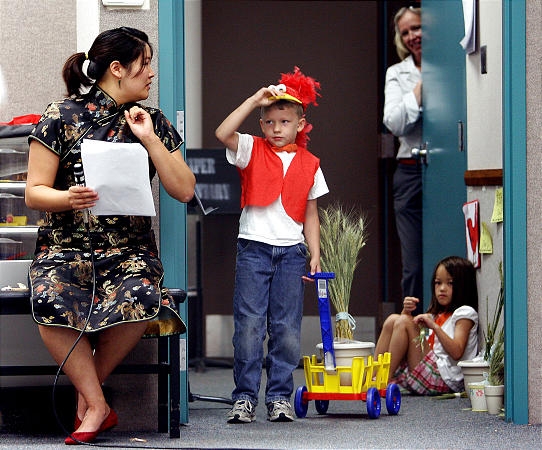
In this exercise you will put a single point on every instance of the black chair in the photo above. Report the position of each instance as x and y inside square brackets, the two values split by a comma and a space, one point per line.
[168, 367]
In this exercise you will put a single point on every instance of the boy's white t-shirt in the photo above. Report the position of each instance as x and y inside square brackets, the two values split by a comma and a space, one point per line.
[271, 224]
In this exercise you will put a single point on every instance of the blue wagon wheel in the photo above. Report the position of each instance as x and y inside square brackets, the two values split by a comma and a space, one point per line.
[373, 403]
[301, 406]
[393, 399]
[321, 406]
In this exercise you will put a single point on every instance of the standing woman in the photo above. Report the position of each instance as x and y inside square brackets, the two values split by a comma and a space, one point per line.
[120, 250]
[403, 117]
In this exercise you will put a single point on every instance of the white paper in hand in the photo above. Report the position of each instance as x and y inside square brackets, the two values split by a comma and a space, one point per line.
[119, 172]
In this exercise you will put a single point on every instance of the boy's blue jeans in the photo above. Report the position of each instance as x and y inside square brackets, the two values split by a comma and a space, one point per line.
[268, 298]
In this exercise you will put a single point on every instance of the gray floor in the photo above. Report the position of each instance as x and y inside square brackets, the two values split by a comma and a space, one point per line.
[422, 423]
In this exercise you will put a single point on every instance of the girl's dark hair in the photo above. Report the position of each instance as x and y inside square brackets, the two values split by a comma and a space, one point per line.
[123, 44]
[465, 291]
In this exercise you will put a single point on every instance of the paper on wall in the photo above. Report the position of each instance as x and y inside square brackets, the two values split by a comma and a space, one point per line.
[469, 18]
[486, 241]
[497, 215]
[472, 231]
[119, 172]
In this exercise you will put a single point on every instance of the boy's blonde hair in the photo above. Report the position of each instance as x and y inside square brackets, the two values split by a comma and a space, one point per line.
[284, 104]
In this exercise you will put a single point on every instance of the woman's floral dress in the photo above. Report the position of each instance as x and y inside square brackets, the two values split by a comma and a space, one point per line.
[127, 271]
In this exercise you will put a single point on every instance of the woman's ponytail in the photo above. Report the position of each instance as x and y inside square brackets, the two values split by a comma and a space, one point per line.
[73, 74]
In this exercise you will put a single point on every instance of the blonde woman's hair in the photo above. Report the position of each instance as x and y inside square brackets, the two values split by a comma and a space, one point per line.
[402, 51]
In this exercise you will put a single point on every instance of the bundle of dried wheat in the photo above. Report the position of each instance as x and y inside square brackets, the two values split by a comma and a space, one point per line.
[342, 236]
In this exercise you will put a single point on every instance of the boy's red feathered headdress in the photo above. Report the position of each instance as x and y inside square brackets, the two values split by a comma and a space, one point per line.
[299, 88]
[302, 89]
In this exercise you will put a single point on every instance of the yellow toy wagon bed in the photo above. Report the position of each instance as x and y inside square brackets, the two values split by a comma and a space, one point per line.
[369, 381]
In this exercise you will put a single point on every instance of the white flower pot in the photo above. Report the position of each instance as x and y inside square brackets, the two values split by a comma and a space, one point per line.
[345, 351]
[477, 397]
[473, 371]
[494, 398]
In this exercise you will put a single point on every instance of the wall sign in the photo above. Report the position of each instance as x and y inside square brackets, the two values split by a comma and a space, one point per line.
[217, 181]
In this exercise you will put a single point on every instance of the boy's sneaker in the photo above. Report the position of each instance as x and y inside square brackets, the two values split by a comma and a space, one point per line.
[280, 411]
[242, 411]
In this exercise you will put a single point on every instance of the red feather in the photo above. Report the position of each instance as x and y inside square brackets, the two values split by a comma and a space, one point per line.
[304, 86]
[305, 89]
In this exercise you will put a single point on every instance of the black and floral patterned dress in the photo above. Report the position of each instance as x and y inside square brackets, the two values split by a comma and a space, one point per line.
[128, 273]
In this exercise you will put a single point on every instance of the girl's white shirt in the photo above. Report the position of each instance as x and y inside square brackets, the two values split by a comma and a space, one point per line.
[270, 224]
[402, 115]
[447, 366]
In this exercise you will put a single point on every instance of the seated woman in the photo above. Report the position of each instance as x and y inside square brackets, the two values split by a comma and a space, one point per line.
[426, 363]
[97, 280]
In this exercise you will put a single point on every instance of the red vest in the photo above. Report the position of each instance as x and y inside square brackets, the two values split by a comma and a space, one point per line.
[262, 181]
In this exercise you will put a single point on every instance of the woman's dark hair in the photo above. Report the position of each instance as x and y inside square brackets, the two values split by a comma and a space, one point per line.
[465, 291]
[123, 44]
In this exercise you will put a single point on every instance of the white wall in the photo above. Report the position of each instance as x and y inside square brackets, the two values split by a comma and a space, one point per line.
[484, 141]
[484, 99]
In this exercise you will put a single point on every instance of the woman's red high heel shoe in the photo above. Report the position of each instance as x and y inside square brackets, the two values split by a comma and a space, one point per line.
[83, 436]
[110, 421]
[90, 436]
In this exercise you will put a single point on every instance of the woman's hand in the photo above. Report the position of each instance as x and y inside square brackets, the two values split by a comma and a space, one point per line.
[418, 92]
[140, 123]
[409, 305]
[82, 197]
[175, 175]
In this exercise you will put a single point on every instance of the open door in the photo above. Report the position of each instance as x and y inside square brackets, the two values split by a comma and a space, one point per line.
[444, 122]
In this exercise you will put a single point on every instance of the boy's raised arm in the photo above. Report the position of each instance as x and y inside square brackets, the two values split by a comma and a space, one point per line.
[226, 132]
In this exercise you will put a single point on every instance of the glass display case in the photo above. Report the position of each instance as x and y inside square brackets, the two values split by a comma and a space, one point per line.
[18, 224]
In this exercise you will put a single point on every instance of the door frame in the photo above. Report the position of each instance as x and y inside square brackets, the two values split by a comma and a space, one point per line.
[172, 102]
[515, 211]
[173, 251]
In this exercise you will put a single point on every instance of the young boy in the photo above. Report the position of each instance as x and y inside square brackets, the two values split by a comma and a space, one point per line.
[280, 182]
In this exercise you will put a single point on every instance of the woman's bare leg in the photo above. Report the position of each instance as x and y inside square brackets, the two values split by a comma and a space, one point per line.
[80, 369]
[112, 347]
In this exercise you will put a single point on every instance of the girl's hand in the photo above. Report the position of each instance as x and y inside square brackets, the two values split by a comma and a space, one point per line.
[425, 320]
[82, 197]
[409, 305]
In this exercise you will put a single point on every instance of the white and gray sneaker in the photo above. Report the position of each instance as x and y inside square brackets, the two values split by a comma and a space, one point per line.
[242, 411]
[280, 411]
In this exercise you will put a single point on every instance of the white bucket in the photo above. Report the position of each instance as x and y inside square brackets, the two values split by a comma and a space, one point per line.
[345, 351]
[477, 397]
[473, 371]
[494, 398]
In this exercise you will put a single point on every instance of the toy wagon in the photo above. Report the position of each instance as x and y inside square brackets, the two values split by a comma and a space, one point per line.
[366, 379]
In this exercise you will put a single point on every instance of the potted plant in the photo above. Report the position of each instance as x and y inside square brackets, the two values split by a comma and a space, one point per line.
[494, 331]
[480, 368]
[494, 389]
[342, 236]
